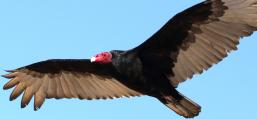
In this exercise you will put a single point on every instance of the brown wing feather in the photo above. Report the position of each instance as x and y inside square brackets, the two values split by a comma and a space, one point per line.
[218, 38]
[200, 36]
[66, 79]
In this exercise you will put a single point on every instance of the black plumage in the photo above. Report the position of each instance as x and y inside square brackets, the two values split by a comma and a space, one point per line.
[191, 42]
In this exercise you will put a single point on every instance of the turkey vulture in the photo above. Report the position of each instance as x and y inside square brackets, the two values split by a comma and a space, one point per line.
[191, 42]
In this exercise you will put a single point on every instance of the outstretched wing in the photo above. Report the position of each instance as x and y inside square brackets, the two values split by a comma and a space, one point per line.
[66, 79]
[201, 36]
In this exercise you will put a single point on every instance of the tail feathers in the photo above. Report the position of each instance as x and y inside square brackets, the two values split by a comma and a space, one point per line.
[184, 107]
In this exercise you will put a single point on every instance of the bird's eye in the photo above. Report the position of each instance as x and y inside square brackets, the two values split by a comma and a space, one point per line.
[104, 54]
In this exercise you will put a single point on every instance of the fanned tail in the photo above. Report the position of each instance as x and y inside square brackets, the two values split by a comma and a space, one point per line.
[183, 106]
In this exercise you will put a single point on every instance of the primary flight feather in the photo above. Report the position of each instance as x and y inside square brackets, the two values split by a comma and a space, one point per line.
[191, 42]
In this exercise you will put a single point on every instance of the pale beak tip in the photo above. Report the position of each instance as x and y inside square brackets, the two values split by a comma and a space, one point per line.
[93, 59]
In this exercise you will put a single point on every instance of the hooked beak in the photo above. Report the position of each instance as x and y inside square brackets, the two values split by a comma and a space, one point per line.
[93, 59]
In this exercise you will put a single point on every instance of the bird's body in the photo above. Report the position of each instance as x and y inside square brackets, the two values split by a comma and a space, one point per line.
[134, 72]
[148, 76]
[129, 68]
[189, 43]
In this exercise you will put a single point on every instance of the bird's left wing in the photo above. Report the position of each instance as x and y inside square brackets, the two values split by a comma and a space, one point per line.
[66, 79]
[201, 36]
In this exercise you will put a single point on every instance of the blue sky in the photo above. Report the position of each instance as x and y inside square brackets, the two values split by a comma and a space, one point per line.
[36, 30]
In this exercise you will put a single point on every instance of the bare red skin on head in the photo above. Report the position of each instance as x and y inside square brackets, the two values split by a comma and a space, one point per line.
[104, 58]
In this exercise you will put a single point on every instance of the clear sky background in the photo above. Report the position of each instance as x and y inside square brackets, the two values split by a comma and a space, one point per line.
[36, 30]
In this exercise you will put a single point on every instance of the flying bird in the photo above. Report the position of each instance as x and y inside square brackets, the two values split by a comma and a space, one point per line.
[188, 44]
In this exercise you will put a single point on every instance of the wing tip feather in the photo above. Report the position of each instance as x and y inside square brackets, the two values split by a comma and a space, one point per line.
[8, 76]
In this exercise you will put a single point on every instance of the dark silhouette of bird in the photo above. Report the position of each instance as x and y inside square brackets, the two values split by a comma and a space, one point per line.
[189, 43]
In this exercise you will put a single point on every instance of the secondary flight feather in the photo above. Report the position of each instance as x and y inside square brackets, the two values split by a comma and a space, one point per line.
[189, 43]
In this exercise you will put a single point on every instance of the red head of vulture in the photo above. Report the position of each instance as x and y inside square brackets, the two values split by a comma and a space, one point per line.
[189, 43]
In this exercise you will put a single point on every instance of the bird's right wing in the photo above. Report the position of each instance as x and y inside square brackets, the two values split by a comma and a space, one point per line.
[66, 79]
